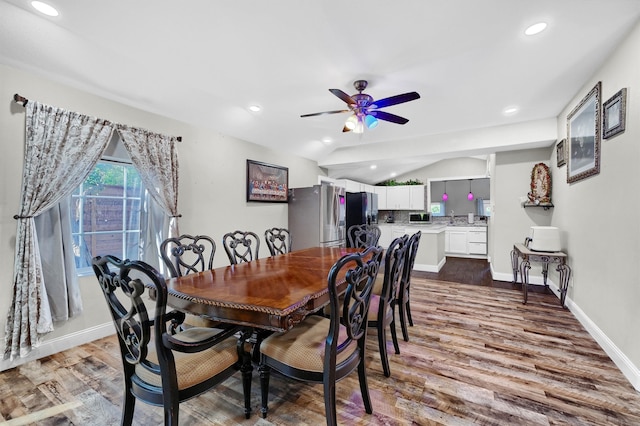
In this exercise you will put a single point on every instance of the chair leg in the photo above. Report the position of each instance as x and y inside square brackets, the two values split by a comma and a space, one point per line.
[382, 344]
[128, 404]
[403, 323]
[408, 309]
[264, 371]
[330, 401]
[364, 387]
[394, 336]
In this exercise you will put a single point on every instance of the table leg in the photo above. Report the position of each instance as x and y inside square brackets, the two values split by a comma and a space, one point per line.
[565, 275]
[545, 272]
[524, 274]
[246, 368]
[514, 265]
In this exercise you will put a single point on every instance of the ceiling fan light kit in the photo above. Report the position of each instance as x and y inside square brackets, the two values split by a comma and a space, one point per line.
[365, 110]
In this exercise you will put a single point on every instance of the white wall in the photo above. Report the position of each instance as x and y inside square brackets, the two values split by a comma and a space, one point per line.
[597, 216]
[211, 198]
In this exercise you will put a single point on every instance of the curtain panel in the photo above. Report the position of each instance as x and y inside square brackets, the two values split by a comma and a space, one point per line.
[156, 159]
[61, 149]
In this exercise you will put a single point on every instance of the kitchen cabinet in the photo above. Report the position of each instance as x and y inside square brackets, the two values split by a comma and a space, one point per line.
[405, 197]
[457, 241]
[382, 197]
[464, 240]
[386, 233]
[416, 197]
[477, 241]
[398, 197]
[352, 185]
[389, 232]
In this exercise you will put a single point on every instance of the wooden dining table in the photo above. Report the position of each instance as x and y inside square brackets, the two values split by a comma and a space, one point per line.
[273, 293]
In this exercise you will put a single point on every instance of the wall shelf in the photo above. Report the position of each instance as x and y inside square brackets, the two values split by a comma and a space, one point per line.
[545, 206]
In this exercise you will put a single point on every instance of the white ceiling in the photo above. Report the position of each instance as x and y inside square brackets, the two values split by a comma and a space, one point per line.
[205, 62]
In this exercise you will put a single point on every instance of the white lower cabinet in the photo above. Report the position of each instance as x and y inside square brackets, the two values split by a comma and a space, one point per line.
[386, 235]
[457, 241]
[466, 240]
[477, 241]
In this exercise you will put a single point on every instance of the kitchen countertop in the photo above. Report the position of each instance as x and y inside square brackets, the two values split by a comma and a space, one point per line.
[438, 224]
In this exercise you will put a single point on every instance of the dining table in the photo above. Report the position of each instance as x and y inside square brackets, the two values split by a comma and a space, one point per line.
[273, 293]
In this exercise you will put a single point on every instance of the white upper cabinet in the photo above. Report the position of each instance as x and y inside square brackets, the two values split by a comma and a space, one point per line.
[382, 197]
[398, 197]
[352, 185]
[417, 197]
[405, 197]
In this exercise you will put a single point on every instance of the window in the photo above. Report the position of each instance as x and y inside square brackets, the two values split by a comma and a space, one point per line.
[437, 209]
[106, 214]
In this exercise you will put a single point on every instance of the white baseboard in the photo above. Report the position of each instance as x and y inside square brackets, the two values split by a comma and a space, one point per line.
[501, 276]
[59, 344]
[628, 369]
[430, 268]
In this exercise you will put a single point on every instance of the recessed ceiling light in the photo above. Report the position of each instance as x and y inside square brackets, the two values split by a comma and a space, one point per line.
[510, 110]
[535, 28]
[373, 167]
[255, 108]
[44, 8]
[327, 141]
[393, 174]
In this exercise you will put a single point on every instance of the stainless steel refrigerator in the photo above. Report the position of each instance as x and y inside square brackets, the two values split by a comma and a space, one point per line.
[362, 208]
[317, 216]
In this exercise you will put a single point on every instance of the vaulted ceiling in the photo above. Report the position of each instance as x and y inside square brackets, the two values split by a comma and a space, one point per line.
[206, 62]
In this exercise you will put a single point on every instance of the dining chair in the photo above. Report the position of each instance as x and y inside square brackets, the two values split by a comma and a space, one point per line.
[241, 246]
[363, 236]
[325, 350]
[382, 308]
[188, 254]
[404, 299]
[278, 240]
[162, 368]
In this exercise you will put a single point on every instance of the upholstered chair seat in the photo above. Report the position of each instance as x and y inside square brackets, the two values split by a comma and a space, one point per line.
[194, 368]
[303, 346]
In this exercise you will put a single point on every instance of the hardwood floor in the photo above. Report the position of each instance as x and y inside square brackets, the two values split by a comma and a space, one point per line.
[476, 356]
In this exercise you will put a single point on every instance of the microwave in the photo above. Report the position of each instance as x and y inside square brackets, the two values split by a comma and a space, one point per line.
[419, 217]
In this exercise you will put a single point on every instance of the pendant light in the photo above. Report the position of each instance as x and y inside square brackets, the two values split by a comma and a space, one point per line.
[470, 195]
[445, 197]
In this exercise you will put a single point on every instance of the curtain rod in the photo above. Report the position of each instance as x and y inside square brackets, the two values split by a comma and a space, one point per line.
[18, 98]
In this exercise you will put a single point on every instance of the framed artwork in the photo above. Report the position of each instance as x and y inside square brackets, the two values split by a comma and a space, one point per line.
[267, 182]
[613, 114]
[583, 137]
[540, 185]
[561, 153]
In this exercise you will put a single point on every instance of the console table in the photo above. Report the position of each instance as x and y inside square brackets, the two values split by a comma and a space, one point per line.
[520, 251]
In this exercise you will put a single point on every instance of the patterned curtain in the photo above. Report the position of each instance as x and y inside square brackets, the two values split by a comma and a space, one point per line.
[156, 159]
[62, 147]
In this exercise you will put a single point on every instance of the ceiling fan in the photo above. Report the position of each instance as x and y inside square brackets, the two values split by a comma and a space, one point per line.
[366, 111]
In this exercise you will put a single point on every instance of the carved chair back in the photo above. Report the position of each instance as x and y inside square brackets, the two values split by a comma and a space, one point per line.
[241, 246]
[363, 236]
[278, 240]
[187, 253]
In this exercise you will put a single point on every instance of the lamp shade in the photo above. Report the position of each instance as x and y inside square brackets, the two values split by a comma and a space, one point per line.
[445, 196]
[470, 194]
[370, 121]
[351, 122]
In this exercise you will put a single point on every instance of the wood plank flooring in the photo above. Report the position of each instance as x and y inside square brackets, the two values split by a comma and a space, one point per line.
[476, 356]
